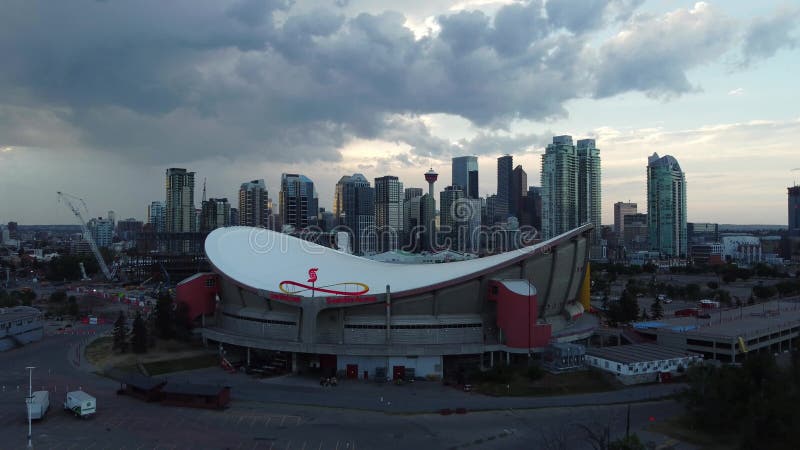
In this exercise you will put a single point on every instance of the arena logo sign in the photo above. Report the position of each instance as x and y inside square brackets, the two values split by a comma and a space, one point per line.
[339, 293]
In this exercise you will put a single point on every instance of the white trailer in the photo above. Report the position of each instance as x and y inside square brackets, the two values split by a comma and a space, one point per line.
[80, 403]
[38, 404]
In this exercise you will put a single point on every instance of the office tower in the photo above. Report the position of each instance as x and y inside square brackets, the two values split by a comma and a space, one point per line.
[702, 233]
[13, 229]
[634, 237]
[666, 206]
[589, 192]
[215, 213]
[502, 207]
[519, 192]
[559, 187]
[450, 210]
[234, 220]
[357, 212]
[102, 231]
[112, 217]
[180, 211]
[794, 211]
[532, 211]
[413, 192]
[157, 217]
[297, 201]
[388, 212]
[622, 209]
[255, 208]
[465, 174]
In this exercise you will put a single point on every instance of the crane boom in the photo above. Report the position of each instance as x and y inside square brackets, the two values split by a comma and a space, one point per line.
[67, 198]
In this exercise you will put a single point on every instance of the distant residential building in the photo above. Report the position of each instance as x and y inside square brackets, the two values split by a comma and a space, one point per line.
[794, 211]
[388, 212]
[708, 254]
[298, 201]
[502, 206]
[157, 216]
[180, 211]
[413, 192]
[622, 209]
[112, 217]
[449, 214]
[102, 231]
[559, 178]
[13, 229]
[590, 192]
[216, 213]
[412, 221]
[5, 236]
[255, 206]
[465, 174]
[666, 206]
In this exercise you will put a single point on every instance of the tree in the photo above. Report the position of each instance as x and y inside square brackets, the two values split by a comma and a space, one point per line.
[120, 333]
[712, 285]
[657, 309]
[72, 307]
[165, 317]
[631, 442]
[183, 325]
[139, 340]
[58, 297]
[629, 307]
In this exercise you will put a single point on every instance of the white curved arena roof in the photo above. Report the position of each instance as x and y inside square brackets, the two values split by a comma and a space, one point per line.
[261, 259]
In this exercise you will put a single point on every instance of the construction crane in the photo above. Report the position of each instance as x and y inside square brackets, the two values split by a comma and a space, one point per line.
[69, 201]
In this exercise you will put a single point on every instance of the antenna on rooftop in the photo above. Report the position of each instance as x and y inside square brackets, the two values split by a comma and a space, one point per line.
[204, 190]
[796, 169]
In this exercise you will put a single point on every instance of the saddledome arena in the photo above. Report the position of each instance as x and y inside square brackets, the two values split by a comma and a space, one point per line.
[324, 309]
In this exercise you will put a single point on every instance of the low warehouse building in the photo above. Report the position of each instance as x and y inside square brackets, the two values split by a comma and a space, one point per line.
[641, 363]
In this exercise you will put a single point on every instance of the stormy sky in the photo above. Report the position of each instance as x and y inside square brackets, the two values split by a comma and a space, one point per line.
[98, 98]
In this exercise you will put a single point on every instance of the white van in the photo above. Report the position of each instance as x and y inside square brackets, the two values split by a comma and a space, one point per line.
[38, 404]
[80, 403]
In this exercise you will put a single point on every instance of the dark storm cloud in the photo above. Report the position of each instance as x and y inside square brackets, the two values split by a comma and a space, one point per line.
[766, 35]
[186, 80]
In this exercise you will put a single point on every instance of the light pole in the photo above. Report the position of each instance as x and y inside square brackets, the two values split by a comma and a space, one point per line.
[30, 399]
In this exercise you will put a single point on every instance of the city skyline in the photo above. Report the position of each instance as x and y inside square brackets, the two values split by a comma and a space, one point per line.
[719, 98]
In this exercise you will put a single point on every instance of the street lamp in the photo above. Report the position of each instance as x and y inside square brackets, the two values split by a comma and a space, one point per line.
[30, 400]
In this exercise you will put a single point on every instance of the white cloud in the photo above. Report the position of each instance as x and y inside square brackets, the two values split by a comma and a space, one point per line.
[736, 92]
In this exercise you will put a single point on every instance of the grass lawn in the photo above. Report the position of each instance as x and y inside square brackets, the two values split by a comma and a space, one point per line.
[519, 384]
[176, 365]
[99, 350]
[680, 428]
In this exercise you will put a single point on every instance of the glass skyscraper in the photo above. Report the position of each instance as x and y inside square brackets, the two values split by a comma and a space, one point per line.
[465, 174]
[666, 206]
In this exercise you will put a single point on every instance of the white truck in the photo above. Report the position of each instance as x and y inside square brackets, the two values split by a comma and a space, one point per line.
[80, 403]
[38, 404]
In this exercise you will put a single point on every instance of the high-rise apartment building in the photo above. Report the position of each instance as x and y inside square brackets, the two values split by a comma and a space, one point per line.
[519, 192]
[666, 206]
[634, 236]
[234, 220]
[502, 208]
[255, 206]
[102, 231]
[388, 212]
[559, 187]
[215, 213]
[532, 212]
[622, 209]
[589, 192]
[794, 211]
[465, 174]
[157, 217]
[180, 210]
[298, 201]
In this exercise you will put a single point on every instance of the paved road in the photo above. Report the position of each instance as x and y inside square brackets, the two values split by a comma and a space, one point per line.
[274, 415]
